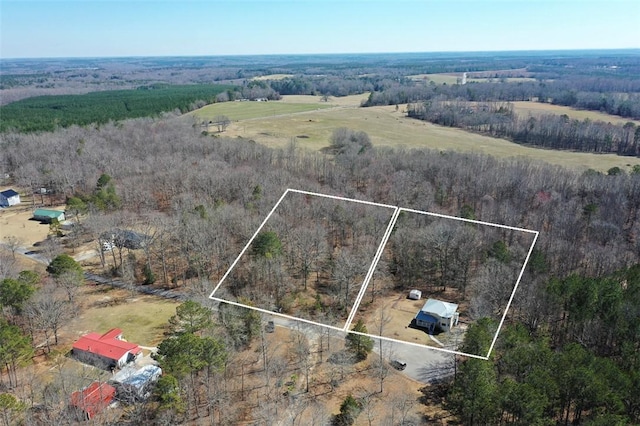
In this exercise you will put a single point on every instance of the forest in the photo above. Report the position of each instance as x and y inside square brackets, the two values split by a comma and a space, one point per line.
[569, 351]
[199, 195]
[45, 113]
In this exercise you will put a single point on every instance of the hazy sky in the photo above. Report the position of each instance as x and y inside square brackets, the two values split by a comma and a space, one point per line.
[90, 28]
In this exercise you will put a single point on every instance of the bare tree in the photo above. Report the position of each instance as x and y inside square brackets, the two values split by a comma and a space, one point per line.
[47, 311]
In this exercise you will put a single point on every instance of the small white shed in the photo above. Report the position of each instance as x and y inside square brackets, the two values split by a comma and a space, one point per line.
[415, 295]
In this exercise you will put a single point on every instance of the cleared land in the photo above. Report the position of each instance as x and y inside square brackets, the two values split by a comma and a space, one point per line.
[537, 108]
[391, 128]
[142, 319]
[454, 78]
[272, 77]
[251, 109]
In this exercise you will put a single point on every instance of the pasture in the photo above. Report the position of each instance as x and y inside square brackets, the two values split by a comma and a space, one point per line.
[249, 110]
[272, 77]
[525, 108]
[390, 128]
[453, 78]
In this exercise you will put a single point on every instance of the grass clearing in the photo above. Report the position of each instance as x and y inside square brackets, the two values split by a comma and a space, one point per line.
[250, 110]
[142, 319]
[391, 128]
[527, 108]
[272, 77]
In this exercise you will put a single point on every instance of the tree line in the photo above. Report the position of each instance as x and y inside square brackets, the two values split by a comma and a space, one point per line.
[45, 113]
[550, 131]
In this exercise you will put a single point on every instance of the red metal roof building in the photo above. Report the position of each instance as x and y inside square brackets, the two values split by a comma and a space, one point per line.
[92, 399]
[106, 350]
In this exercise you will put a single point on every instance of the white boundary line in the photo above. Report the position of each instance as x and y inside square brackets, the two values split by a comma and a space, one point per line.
[419, 345]
[276, 313]
[479, 222]
[370, 272]
[372, 268]
[513, 293]
[248, 244]
[363, 285]
[335, 197]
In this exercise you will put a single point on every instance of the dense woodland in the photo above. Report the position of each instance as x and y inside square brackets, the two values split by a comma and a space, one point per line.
[570, 349]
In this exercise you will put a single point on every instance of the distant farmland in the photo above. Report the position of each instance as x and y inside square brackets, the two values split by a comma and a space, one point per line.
[250, 109]
[525, 108]
[312, 126]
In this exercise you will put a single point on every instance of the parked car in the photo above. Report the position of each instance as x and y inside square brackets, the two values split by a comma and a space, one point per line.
[107, 246]
[398, 364]
[270, 327]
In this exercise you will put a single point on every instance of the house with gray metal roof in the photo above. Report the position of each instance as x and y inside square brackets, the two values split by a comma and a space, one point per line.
[436, 315]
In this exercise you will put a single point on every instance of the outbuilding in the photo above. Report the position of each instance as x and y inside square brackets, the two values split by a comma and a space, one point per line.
[48, 216]
[91, 400]
[415, 295]
[9, 198]
[135, 385]
[107, 351]
[437, 315]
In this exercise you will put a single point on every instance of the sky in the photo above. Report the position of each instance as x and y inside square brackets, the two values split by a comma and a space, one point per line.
[117, 28]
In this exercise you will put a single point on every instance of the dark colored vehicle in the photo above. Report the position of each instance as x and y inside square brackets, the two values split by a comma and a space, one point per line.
[270, 327]
[398, 365]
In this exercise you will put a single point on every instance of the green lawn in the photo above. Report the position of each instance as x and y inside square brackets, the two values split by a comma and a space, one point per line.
[249, 110]
[142, 319]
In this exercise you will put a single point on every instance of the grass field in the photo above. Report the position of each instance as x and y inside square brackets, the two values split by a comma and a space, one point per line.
[273, 77]
[537, 109]
[249, 110]
[312, 121]
[142, 319]
[453, 78]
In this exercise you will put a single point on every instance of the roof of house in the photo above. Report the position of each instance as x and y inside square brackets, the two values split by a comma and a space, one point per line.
[9, 193]
[48, 213]
[93, 398]
[106, 345]
[440, 308]
[143, 376]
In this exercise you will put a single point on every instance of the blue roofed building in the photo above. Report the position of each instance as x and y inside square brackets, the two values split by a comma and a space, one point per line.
[437, 315]
[9, 198]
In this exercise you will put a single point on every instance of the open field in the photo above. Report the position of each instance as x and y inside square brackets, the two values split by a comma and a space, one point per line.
[141, 318]
[272, 77]
[537, 108]
[453, 78]
[249, 110]
[391, 128]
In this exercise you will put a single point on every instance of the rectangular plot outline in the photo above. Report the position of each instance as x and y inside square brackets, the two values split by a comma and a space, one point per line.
[374, 263]
[506, 310]
[364, 284]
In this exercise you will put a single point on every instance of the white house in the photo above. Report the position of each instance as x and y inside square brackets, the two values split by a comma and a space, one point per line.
[437, 315]
[9, 198]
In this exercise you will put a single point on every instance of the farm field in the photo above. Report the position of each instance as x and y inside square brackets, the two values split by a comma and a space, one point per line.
[272, 77]
[537, 108]
[390, 128]
[453, 78]
[250, 110]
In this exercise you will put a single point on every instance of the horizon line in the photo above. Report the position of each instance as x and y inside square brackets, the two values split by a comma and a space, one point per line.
[436, 52]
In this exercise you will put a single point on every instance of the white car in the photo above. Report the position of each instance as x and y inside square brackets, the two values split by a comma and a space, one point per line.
[107, 246]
